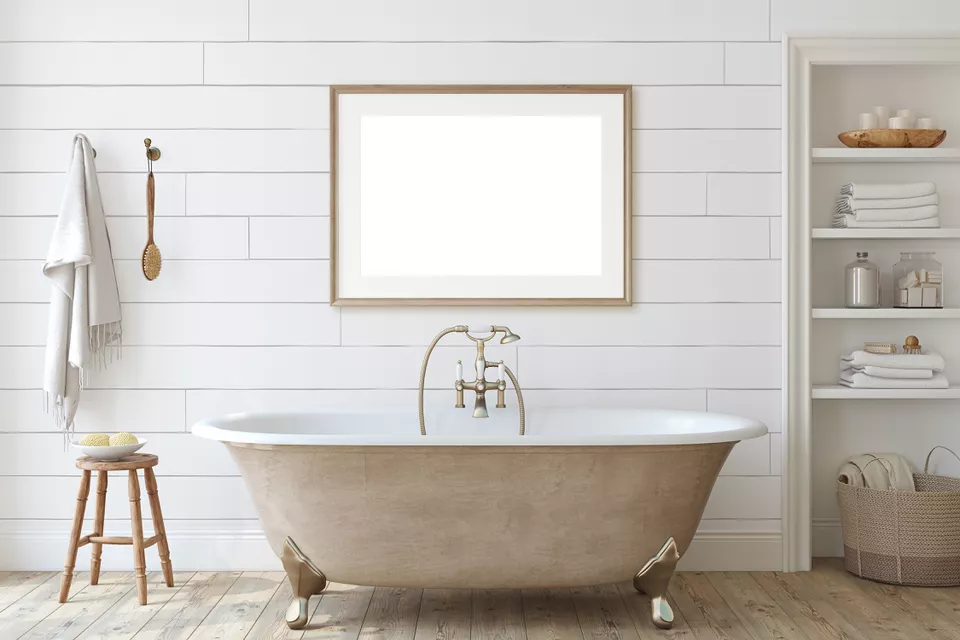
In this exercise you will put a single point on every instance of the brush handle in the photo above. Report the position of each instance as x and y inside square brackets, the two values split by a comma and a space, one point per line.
[151, 196]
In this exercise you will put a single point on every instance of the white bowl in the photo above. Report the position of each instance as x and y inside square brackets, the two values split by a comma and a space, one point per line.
[110, 453]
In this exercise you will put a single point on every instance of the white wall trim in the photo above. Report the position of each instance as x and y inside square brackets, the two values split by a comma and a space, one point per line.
[240, 545]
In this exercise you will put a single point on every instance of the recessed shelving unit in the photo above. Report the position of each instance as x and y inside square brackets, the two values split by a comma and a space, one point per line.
[845, 154]
[885, 234]
[886, 314]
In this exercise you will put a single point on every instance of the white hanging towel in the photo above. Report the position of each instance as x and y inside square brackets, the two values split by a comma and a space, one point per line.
[85, 303]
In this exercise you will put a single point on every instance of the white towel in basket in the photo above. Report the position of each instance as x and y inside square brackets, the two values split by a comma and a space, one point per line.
[889, 472]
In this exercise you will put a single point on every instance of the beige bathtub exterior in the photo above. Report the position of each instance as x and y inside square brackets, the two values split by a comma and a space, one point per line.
[480, 517]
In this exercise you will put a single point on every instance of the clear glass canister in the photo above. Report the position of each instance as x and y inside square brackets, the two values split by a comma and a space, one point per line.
[862, 283]
[918, 281]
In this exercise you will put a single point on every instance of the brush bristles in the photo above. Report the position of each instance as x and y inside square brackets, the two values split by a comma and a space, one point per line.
[151, 262]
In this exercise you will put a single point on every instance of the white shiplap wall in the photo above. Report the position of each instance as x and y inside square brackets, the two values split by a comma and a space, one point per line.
[234, 92]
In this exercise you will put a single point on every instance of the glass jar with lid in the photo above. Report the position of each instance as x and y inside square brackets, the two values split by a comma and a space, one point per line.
[918, 281]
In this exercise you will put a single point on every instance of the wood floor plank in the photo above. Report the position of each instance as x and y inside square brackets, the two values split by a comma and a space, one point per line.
[83, 608]
[340, 613]
[916, 617]
[805, 613]
[31, 609]
[240, 607]
[638, 605]
[602, 613]
[16, 584]
[392, 614]
[272, 624]
[445, 614]
[125, 618]
[184, 612]
[756, 609]
[945, 600]
[497, 615]
[549, 614]
[871, 616]
[705, 611]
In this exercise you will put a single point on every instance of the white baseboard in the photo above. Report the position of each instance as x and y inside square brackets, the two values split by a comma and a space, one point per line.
[240, 545]
[827, 538]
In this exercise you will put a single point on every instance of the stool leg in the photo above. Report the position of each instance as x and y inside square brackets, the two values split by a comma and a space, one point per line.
[139, 560]
[162, 545]
[71, 560]
[96, 547]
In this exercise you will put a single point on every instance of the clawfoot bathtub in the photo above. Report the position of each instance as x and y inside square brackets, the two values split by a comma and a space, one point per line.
[585, 497]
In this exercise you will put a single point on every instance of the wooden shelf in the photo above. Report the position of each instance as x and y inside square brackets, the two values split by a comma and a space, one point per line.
[841, 392]
[844, 154]
[886, 234]
[887, 314]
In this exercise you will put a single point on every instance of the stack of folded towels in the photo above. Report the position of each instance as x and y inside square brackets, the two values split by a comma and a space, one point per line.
[888, 206]
[863, 370]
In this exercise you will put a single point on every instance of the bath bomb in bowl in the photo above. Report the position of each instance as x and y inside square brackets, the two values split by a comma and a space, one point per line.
[123, 438]
[95, 440]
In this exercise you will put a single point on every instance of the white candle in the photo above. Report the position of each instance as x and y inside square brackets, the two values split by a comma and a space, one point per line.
[500, 372]
[883, 115]
[459, 370]
[869, 121]
[926, 123]
[910, 116]
[899, 122]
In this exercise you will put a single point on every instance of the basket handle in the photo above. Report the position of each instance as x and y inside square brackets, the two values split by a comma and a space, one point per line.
[926, 465]
[890, 472]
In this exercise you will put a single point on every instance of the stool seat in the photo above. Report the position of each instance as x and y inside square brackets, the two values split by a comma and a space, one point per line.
[130, 463]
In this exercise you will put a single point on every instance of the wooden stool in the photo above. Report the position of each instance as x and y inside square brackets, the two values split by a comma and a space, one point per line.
[130, 464]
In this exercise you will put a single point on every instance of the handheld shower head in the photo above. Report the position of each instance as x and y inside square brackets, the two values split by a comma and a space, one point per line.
[508, 336]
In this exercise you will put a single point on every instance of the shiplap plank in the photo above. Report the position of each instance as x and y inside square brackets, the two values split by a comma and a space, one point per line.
[669, 194]
[178, 107]
[651, 367]
[742, 497]
[706, 281]
[237, 611]
[23, 281]
[504, 20]
[182, 454]
[258, 194]
[266, 150]
[744, 194]
[120, 20]
[79, 63]
[700, 237]
[40, 194]
[711, 150]
[463, 63]
[295, 237]
[749, 458]
[179, 238]
[730, 108]
[224, 281]
[763, 405]
[753, 63]
[818, 16]
[187, 498]
[100, 410]
[184, 612]
[643, 324]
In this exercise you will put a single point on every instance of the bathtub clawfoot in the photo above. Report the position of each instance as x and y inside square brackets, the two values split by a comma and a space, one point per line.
[653, 580]
[305, 579]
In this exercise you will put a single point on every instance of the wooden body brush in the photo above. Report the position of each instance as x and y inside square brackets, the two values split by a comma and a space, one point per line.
[151, 254]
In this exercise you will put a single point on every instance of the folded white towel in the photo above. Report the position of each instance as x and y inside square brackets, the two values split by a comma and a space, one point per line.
[908, 190]
[928, 360]
[882, 471]
[848, 221]
[863, 381]
[849, 204]
[889, 214]
[886, 372]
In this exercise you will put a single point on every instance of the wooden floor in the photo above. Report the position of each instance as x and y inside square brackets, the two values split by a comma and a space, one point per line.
[826, 603]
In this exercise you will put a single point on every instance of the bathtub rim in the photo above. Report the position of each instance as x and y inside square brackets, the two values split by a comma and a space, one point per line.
[217, 428]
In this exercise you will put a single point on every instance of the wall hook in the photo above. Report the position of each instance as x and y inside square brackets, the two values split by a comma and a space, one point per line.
[152, 152]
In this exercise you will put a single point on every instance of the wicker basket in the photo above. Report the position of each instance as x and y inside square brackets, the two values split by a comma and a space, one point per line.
[901, 537]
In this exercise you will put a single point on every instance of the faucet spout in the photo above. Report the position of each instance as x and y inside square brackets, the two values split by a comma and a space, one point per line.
[480, 406]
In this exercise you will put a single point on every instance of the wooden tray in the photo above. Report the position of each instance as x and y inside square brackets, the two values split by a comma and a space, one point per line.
[893, 138]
